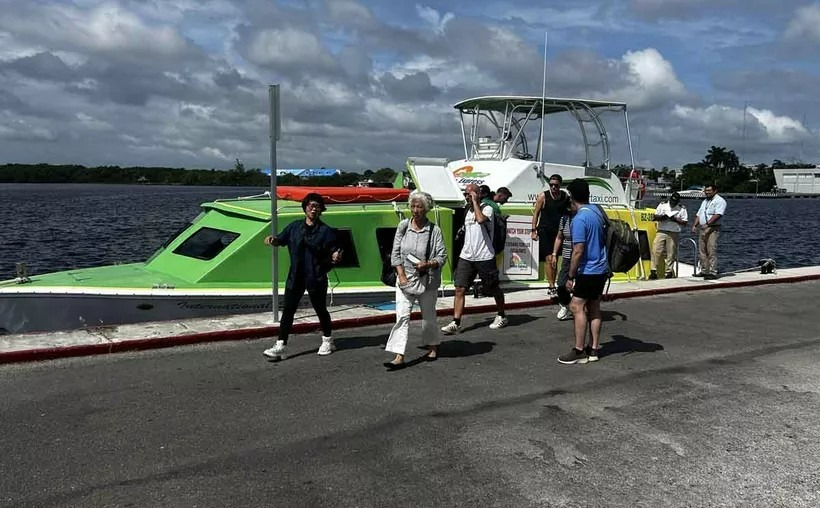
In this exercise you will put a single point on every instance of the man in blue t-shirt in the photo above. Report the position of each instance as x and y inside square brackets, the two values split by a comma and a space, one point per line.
[588, 273]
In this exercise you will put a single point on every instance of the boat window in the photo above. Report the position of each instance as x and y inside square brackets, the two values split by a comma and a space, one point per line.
[206, 243]
[643, 238]
[349, 257]
[384, 239]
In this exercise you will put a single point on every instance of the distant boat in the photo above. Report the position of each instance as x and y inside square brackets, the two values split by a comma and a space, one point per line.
[693, 191]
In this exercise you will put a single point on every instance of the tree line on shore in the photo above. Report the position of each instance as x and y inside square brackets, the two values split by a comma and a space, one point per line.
[237, 176]
[719, 166]
[723, 168]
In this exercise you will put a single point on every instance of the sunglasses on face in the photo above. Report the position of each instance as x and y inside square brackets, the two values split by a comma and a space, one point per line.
[556, 185]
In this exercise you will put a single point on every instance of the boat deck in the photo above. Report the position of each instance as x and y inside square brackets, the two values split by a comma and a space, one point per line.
[113, 339]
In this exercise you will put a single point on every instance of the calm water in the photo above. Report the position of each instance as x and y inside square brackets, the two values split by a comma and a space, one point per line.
[58, 227]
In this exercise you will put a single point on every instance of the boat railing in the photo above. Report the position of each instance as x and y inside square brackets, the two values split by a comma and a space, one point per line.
[695, 251]
[265, 195]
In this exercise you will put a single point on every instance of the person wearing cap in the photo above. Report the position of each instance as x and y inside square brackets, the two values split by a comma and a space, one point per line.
[587, 275]
[670, 216]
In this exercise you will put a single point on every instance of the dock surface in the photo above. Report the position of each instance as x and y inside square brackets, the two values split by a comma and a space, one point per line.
[706, 398]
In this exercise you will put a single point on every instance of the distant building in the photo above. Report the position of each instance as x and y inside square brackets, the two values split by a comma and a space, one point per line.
[305, 173]
[798, 181]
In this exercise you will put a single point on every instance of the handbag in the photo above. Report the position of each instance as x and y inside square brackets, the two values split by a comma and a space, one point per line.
[389, 275]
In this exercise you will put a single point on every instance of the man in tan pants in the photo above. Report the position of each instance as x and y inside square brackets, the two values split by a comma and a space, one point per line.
[707, 222]
[670, 216]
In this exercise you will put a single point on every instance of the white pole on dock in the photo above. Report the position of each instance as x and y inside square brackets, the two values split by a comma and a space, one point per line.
[275, 134]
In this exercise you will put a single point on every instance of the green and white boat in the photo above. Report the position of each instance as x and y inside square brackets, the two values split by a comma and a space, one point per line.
[219, 264]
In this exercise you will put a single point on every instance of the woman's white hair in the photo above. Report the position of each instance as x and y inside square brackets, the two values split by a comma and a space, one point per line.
[422, 197]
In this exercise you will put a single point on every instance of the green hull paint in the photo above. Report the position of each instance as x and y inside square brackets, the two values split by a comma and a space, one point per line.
[246, 262]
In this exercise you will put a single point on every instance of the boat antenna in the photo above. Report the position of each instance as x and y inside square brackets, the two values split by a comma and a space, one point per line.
[543, 100]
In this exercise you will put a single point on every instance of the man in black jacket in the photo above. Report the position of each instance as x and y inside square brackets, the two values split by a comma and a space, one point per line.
[313, 252]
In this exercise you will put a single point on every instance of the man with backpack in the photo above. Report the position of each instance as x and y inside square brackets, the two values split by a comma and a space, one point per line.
[588, 273]
[477, 257]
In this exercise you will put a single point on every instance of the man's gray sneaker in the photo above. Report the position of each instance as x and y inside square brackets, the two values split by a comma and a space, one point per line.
[574, 356]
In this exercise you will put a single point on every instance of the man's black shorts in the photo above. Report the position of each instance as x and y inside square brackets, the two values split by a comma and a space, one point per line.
[546, 241]
[467, 270]
[589, 287]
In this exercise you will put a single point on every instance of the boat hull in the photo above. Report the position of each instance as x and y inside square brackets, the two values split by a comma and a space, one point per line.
[38, 312]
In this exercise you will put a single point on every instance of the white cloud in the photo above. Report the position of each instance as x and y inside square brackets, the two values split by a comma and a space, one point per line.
[92, 123]
[805, 26]
[434, 18]
[23, 130]
[107, 29]
[287, 46]
[183, 82]
[651, 81]
[445, 73]
[326, 93]
[350, 13]
[760, 124]
[402, 118]
[216, 153]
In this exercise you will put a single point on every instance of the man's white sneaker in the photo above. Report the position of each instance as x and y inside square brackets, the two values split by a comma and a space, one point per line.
[451, 328]
[498, 322]
[564, 314]
[327, 346]
[277, 352]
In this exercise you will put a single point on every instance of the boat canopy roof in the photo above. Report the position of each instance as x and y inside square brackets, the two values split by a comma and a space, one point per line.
[501, 103]
[258, 207]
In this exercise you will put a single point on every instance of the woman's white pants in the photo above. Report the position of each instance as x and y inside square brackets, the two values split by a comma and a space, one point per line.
[404, 306]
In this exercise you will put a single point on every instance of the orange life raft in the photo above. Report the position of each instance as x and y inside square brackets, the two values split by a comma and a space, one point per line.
[343, 194]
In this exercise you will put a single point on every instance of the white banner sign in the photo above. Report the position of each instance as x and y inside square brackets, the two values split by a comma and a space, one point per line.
[520, 251]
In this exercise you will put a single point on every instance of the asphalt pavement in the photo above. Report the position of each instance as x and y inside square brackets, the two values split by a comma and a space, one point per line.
[699, 399]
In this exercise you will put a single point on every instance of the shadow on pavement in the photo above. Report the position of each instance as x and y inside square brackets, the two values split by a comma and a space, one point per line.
[462, 348]
[627, 345]
[512, 320]
[345, 343]
[611, 315]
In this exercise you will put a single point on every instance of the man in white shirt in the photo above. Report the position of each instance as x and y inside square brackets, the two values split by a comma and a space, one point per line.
[670, 216]
[708, 222]
[477, 257]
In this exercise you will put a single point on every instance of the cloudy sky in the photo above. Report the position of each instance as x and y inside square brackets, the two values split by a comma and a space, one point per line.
[366, 83]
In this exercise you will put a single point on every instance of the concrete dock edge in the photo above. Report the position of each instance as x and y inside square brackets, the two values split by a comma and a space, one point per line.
[138, 344]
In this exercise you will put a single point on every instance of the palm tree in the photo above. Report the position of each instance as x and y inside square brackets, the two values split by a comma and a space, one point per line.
[731, 162]
[715, 157]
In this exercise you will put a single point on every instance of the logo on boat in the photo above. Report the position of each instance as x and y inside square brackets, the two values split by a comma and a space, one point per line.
[465, 175]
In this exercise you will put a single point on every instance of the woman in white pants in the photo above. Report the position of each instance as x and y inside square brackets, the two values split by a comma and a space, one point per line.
[418, 255]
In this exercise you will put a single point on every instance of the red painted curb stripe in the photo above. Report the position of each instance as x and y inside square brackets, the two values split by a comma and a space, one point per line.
[54, 353]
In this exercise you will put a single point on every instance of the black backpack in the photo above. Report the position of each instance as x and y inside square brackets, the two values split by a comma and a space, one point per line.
[622, 248]
[499, 232]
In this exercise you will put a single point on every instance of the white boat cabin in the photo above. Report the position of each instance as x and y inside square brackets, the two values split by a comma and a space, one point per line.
[504, 139]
